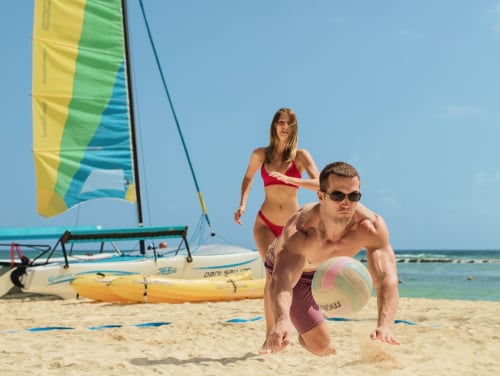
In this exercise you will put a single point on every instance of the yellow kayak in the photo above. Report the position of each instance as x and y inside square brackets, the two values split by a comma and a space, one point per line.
[158, 289]
[98, 286]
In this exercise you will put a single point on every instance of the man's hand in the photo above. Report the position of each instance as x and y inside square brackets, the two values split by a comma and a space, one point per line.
[384, 334]
[278, 338]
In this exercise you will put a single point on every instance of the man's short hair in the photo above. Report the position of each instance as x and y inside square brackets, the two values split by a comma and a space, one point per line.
[342, 169]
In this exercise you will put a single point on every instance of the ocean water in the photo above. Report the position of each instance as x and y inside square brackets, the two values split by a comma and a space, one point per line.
[448, 274]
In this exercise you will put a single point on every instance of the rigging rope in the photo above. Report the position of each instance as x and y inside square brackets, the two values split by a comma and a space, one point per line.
[200, 197]
[17, 248]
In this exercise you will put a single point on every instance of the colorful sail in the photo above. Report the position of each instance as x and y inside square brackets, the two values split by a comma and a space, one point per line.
[82, 141]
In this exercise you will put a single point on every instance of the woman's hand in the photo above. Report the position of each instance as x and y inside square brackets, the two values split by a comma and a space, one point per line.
[238, 213]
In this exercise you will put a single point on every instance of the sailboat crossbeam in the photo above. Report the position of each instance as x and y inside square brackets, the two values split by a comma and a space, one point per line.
[124, 234]
[115, 234]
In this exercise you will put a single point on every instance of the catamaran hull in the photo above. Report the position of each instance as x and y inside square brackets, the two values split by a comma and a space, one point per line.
[9, 273]
[55, 279]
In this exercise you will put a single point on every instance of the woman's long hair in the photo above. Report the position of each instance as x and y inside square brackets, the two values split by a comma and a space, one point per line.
[292, 141]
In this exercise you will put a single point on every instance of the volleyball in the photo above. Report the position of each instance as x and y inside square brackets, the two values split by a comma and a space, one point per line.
[341, 286]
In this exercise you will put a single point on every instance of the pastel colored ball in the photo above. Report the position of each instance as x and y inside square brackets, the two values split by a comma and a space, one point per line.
[341, 286]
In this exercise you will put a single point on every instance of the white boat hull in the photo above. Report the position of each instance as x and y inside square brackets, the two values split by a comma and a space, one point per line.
[6, 283]
[55, 278]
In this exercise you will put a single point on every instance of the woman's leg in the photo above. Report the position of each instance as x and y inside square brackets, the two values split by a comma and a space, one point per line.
[263, 238]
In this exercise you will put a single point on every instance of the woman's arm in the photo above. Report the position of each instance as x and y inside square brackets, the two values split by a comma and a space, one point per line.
[256, 160]
[304, 162]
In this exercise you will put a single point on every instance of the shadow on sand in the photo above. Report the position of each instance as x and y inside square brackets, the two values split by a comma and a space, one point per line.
[197, 360]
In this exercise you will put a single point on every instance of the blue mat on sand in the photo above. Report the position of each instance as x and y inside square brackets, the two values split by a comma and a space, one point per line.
[49, 328]
[346, 319]
[161, 323]
[239, 320]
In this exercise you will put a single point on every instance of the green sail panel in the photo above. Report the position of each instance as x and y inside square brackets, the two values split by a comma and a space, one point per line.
[82, 141]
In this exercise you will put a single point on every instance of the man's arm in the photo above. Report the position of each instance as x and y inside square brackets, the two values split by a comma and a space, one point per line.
[382, 268]
[287, 270]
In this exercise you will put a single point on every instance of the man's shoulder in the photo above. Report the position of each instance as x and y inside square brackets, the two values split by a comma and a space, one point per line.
[300, 227]
[373, 230]
[306, 216]
[303, 217]
[365, 213]
[308, 210]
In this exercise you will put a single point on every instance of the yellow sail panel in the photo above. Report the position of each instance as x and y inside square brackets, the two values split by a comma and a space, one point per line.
[81, 119]
[52, 91]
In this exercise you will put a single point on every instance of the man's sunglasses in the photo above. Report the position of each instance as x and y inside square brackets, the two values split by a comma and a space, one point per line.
[338, 196]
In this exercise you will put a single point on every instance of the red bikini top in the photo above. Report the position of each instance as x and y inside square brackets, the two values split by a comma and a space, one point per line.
[292, 171]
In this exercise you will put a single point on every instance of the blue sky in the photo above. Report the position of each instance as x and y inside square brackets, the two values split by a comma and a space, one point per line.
[407, 91]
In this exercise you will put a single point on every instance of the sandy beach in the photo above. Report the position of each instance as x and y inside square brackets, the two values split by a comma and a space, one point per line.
[44, 336]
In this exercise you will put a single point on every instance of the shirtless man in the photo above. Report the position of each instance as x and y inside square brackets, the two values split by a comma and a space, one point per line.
[334, 226]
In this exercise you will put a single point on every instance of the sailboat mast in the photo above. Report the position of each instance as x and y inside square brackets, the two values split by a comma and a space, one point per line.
[132, 121]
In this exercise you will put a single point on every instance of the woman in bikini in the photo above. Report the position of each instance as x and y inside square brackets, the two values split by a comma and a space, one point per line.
[281, 166]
